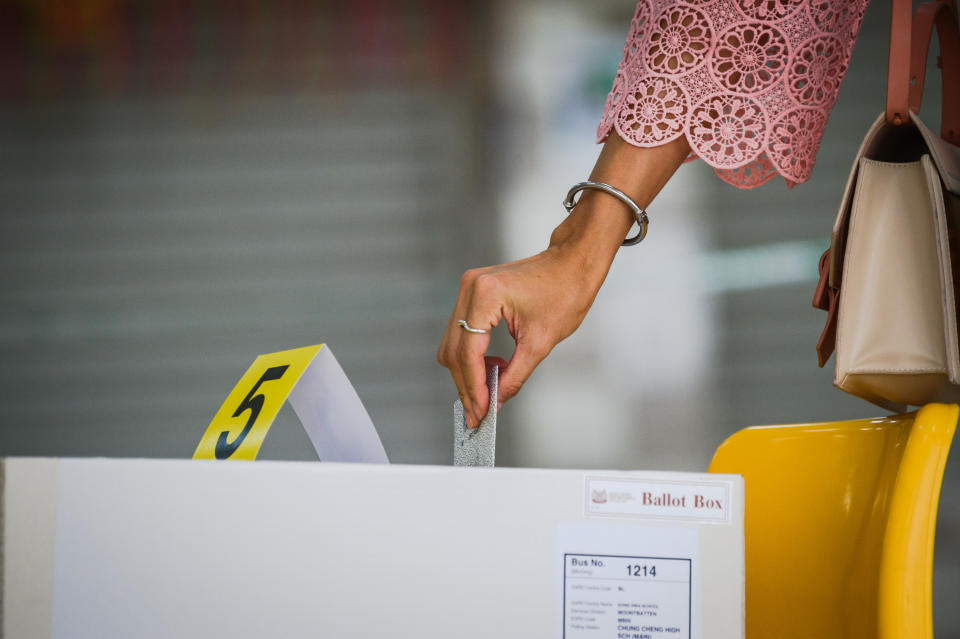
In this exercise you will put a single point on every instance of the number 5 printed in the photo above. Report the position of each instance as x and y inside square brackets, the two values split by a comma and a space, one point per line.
[259, 394]
[252, 403]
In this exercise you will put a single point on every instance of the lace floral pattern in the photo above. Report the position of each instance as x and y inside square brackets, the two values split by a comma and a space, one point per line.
[816, 71]
[679, 40]
[727, 130]
[750, 83]
[655, 111]
[750, 57]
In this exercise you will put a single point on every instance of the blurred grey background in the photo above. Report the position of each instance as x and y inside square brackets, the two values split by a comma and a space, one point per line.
[186, 184]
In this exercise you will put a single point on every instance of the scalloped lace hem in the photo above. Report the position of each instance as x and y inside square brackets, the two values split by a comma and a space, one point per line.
[749, 176]
[749, 83]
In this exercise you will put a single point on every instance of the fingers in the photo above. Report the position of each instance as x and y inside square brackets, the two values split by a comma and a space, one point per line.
[462, 351]
[446, 355]
[482, 301]
[449, 345]
[471, 364]
[521, 365]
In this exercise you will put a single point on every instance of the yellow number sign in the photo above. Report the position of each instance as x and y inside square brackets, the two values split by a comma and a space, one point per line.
[238, 428]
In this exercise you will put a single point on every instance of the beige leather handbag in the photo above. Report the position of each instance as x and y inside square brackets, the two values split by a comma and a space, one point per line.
[889, 281]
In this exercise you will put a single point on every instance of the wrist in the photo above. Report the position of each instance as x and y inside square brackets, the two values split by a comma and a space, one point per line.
[592, 234]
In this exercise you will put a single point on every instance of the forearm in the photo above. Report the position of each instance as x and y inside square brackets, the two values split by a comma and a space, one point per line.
[596, 228]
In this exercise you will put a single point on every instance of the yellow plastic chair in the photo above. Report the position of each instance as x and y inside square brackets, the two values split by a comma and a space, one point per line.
[840, 521]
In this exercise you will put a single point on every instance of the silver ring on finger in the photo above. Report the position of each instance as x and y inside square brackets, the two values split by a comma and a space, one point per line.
[463, 324]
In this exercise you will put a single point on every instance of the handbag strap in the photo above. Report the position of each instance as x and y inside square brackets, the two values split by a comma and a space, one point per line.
[909, 44]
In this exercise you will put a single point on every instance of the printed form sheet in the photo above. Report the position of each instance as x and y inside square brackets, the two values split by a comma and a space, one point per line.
[627, 597]
[627, 582]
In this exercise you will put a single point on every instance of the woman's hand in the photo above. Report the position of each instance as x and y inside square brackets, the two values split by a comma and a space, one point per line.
[544, 298]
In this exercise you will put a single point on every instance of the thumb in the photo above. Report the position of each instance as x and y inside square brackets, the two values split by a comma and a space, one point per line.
[521, 365]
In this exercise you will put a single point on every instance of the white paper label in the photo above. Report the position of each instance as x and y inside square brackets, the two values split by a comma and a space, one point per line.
[628, 581]
[626, 597]
[333, 415]
[704, 501]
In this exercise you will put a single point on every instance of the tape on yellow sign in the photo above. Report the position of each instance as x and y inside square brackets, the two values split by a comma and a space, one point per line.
[241, 424]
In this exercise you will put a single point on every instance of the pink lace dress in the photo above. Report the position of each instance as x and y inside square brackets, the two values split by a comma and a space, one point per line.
[750, 83]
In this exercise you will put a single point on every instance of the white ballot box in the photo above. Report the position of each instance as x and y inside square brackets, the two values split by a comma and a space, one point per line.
[154, 548]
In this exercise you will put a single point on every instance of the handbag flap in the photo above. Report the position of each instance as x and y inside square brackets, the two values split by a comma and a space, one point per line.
[945, 156]
[944, 259]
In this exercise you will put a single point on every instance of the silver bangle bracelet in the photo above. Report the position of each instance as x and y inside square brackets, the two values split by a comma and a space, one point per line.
[641, 216]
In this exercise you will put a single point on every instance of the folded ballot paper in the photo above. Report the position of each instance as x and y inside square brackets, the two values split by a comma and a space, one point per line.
[476, 446]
